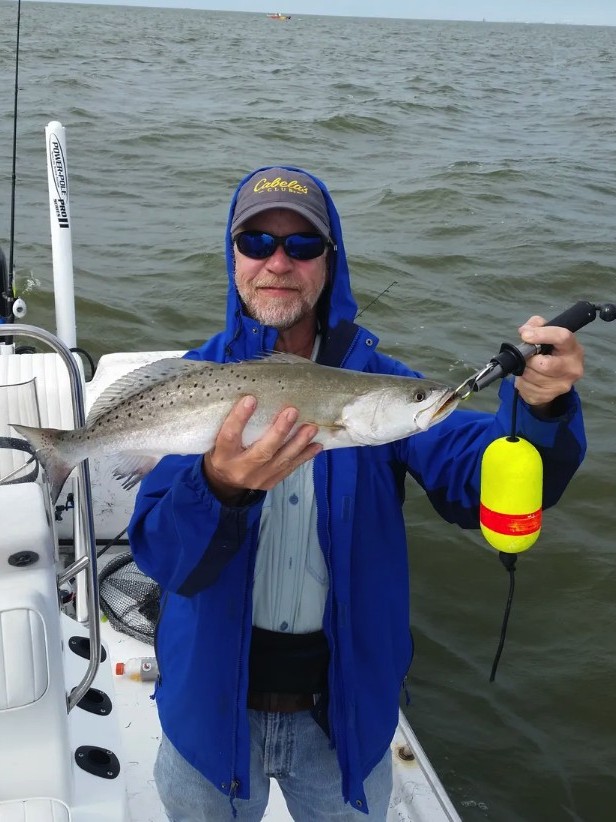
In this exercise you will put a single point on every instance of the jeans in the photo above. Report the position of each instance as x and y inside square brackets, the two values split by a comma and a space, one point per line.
[291, 748]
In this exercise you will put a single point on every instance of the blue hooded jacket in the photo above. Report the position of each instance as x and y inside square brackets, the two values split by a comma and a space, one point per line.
[202, 553]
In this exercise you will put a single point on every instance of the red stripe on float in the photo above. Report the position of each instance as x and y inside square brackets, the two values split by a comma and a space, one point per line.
[518, 525]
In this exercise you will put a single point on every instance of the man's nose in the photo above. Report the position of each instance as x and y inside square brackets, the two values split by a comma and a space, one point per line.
[279, 262]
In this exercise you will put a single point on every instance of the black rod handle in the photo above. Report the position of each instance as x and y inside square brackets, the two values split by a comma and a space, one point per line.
[575, 317]
[511, 358]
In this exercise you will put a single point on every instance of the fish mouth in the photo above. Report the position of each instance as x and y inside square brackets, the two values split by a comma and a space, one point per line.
[438, 411]
[447, 404]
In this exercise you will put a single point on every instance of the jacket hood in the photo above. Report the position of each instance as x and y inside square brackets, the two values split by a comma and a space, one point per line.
[340, 305]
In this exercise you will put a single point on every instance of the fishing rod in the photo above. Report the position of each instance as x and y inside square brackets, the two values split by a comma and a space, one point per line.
[512, 357]
[7, 274]
[511, 493]
[13, 307]
[6, 314]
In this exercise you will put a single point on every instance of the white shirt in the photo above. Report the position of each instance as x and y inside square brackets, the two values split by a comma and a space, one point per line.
[291, 580]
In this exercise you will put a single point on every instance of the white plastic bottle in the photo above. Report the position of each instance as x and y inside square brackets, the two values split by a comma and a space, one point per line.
[141, 669]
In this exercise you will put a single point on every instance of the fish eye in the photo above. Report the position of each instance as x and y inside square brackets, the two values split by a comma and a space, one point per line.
[420, 395]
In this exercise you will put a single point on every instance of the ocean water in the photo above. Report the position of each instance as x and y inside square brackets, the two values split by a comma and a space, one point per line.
[474, 166]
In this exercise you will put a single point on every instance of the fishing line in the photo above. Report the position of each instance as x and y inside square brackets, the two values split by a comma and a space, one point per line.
[508, 560]
[514, 415]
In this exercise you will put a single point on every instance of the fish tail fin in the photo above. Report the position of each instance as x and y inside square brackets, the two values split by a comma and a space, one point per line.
[47, 448]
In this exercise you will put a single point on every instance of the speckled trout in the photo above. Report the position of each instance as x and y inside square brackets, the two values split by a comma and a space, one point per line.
[176, 406]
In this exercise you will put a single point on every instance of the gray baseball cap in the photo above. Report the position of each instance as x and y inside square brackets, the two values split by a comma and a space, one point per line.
[281, 188]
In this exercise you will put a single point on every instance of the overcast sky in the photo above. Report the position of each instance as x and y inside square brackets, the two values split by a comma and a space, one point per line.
[594, 12]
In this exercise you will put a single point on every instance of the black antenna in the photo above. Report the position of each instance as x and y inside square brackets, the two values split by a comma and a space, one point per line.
[378, 297]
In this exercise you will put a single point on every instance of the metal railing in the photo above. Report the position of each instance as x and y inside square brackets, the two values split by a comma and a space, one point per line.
[83, 512]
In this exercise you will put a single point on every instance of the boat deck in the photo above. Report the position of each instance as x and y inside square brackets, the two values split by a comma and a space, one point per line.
[418, 795]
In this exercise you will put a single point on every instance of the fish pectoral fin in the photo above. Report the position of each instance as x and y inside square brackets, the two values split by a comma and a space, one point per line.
[132, 468]
[338, 425]
[333, 435]
[360, 419]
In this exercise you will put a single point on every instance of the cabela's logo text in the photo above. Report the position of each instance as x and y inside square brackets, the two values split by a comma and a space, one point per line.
[280, 185]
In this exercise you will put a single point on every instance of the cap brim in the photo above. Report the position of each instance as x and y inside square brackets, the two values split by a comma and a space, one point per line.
[298, 208]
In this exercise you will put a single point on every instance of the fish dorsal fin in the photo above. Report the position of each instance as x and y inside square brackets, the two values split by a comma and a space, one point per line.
[282, 358]
[138, 380]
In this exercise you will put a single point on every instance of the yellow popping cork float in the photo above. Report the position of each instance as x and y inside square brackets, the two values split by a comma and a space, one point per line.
[511, 494]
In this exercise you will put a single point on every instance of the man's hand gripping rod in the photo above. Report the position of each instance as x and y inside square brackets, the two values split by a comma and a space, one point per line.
[511, 358]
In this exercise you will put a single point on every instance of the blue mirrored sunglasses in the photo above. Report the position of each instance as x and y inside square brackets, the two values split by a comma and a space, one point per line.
[258, 245]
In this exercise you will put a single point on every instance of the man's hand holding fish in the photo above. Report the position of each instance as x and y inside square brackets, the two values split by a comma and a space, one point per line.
[231, 468]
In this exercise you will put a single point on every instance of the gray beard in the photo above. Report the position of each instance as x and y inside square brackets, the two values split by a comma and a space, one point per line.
[282, 317]
[279, 317]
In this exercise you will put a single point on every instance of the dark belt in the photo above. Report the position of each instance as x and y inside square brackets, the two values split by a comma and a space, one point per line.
[280, 703]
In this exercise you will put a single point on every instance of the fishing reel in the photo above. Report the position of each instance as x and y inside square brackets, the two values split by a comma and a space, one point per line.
[20, 309]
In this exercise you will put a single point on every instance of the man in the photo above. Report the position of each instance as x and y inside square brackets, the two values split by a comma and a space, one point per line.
[283, 640]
